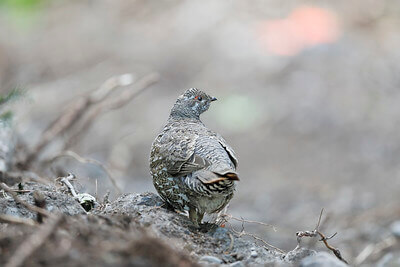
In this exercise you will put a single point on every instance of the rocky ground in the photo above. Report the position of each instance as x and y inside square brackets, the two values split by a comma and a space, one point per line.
[133, 230]
[315, 128]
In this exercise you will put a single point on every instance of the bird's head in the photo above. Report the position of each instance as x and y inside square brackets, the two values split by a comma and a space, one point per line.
[191, 104]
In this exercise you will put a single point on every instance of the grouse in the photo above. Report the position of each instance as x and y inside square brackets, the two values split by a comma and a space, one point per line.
[193, 168]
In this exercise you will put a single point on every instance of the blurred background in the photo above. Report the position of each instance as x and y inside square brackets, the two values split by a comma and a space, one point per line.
[308, 96]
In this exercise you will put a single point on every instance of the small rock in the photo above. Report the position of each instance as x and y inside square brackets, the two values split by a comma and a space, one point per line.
[227, 258]
[211, 259]
[385, 260]
[395, 228]
[237, 264]
[322, 259]
[254, 254]
[298, 254]
[238, 256]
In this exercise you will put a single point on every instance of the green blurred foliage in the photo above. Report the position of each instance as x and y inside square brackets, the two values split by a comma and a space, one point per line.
[13, 95]
[22, 12]
[21, 4]
[238, 112]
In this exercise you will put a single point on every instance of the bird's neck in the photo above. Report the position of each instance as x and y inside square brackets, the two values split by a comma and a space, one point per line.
[179, 114]
[183, 118]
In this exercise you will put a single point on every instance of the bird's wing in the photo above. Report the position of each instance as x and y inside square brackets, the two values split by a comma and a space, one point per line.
[227, 148]
[180, 156]
[178, 153]
[184, 167]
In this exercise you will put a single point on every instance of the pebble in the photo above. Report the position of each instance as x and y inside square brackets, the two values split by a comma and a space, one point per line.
[254, 254]
[237, 264]
[211, 259]
[395, 228]
[322, 259]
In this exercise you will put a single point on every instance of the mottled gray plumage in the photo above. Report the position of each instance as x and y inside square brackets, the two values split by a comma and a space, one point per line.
[193, 168]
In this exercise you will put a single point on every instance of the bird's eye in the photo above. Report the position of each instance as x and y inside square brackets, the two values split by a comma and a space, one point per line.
[199, 98]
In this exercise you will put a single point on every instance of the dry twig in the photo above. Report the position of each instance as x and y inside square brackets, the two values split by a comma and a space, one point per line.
[20, 176]
[230, 243]
[23, 203]
[86, 161]
[86, 200]
[225, 217]
[66, 181]
[39, 202]
[374, 249]
[242, 232]
[21, 191]
[75, 111]
[109, 104]
[324, 239]
[35, 241]
[249, 221]
[5, 218]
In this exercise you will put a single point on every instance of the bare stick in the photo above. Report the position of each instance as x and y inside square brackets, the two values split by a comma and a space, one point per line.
[95, 195]
[20, 176]
[21, 191]
[35, 241]
[139, 87]
[86, 161]
[40, 202]
[109, 104]
[66, 181]
[375, 249]
[319, 219]
[249, 221]
[75, 111]
[230, 244]
[333, 249]
[324, 239]
[23, 203]
[243, 233]
[5, 218]
[108, 86]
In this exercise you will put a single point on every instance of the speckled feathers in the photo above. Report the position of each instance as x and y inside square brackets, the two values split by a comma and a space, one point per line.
[193, 168]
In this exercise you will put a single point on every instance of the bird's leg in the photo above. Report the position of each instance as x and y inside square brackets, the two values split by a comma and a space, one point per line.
[167, 206]
[195, 217]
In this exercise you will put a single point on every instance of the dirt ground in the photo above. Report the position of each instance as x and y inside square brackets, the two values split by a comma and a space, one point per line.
[133, 230]
[307, 96]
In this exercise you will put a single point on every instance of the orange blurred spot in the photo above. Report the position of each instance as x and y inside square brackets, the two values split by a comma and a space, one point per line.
[304, 27]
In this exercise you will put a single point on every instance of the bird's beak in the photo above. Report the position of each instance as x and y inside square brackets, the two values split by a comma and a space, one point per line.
[213, 99]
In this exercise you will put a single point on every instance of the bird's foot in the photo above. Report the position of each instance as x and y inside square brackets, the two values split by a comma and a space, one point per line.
[167, 206]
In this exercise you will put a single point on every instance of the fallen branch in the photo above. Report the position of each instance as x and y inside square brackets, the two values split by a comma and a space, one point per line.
[66, 181]
[324, 239]
[21, 191]
[249, 221]
[109, 104]
[374, 249]
[21, 176]
[34, 242]
[74, 113]
[40, 202]
[242, 232]
[86, 200]
[5, 218]
[231, 244]
[86, 161]
[224, 218]
[23, 203]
